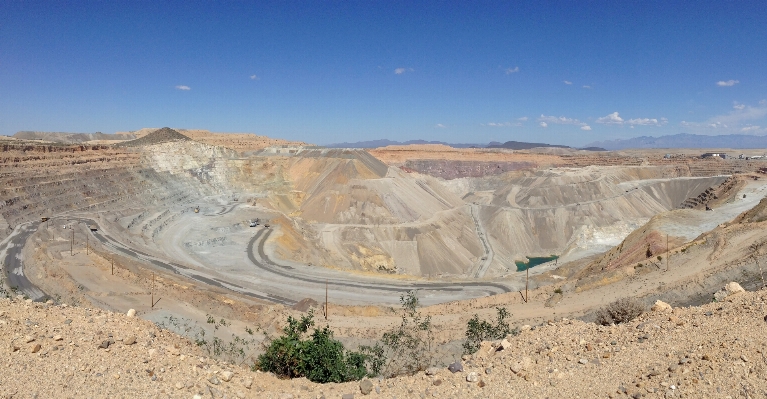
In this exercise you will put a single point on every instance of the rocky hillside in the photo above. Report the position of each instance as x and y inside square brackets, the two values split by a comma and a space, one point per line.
[716, 350]
[163, 135]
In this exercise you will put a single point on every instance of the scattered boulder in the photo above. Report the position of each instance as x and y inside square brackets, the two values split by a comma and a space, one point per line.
[226, 375]
[504, 345]
[35, 348]
[104, 344]
[57, 338]
[732, 288]
[455, 367]
[247, 383]
[432, 371]
[214, 380]
[131, 313]
[472, 377]
[366, 387]
[28, 339]
[661, 306]
[129, 341]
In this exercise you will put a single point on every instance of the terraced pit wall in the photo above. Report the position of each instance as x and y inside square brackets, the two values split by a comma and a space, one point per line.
[43, 180]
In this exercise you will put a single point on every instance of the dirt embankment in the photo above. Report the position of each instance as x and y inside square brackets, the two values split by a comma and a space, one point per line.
[716, 350]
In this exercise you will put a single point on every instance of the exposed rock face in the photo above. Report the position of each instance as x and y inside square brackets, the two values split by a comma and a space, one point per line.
[456, 169]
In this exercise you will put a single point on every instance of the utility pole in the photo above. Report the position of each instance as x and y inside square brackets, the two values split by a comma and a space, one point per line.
[87, 245]
[668, 253]
[113, 264]
[527, 282]
[151, 289]
[72, 244]
[326, 299]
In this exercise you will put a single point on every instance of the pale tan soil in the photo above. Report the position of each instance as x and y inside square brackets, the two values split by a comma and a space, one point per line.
[241, 142]
[714, 351]
[399, 154]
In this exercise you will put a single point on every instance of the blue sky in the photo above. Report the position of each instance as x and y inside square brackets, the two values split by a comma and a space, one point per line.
[568, 72]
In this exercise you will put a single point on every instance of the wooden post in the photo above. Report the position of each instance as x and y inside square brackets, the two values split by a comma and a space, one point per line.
[668, 254]
[87, 245]
[326, 299]
[527, 282]
[151, 289]
[113, 264]
[72, 243]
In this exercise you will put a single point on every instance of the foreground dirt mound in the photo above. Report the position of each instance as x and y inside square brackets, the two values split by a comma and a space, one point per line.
[163, 135]
[716, 350]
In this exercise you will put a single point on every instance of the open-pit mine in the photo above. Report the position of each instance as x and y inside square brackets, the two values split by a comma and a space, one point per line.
[189, 223]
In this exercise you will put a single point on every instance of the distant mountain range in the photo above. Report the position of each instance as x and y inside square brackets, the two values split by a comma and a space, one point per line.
[685, 140]
[512, 145]
[521, 145]
[385, 142]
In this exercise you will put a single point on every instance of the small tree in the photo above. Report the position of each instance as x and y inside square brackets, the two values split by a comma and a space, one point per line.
[482, 330]
[408, 346]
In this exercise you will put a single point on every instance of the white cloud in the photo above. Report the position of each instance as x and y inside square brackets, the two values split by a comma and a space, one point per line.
[750, 129]
[585, 127]
[496, 124]
[182, 87]
[645, 122]
[728, 83]
[567, 82]
[586, 86]
[440, 126]
[522, 119]
[254, 77]
[612, 119]
[615, 119]
[560, 120]
[400, 71]
[739, 106]
[509, 71]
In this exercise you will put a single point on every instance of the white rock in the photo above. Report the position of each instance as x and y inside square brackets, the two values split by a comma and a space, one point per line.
[733, 288]
[505, 345]
[472, 377]
[227, 375]
[661, 306]
[131, 313]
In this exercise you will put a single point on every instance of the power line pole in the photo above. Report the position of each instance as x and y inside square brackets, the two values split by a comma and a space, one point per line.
[113, 264]
[72, 243]
[668, 253]
[326, 299]
[527, 283]
[151, 290]
[87, 245]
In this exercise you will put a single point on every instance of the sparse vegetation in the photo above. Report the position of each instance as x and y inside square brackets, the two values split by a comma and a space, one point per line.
[482, 330]
[620, 311]
[558, 291]
[407, 348]
[319, 357]
[236, 350]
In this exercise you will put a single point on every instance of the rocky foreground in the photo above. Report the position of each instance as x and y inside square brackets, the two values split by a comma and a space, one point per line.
[713, 351]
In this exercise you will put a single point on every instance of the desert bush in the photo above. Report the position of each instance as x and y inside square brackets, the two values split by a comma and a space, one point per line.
[620, 311]
[407, 349]
[319, 357]
[482, 330]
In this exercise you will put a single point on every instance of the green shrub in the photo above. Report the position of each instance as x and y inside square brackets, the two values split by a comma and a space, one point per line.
[558, 291]
[319, 358]
[406, 349]
[482, 330]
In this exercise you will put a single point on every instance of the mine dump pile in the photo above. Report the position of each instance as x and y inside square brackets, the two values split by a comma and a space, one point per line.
[70, 138]
[163, 135]
[447, 169]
